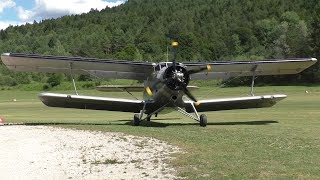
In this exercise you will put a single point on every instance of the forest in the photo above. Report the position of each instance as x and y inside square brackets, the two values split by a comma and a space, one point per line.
[207, 30]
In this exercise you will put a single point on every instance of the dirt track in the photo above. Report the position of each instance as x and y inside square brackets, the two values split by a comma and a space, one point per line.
[38, 152]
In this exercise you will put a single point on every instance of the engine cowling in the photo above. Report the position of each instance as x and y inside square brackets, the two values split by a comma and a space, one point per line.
[176, 78]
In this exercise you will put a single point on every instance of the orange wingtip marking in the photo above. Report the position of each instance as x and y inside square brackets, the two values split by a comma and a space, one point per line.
[174, 43]
[209, 67]
[197, 103]
[149, 91]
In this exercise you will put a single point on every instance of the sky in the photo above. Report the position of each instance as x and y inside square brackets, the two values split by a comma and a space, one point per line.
[18, 12]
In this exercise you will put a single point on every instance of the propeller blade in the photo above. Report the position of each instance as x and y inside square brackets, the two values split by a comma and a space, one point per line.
[188, 93]
[148, 90]
[174, 45]
[193, 71]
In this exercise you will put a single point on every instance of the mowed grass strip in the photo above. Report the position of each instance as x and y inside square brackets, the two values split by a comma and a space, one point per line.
[278, 142]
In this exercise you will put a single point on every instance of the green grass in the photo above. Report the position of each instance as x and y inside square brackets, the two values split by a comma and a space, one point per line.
[282, 142]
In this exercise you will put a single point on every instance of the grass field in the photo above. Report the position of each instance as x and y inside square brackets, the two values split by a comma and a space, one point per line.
[282, 142]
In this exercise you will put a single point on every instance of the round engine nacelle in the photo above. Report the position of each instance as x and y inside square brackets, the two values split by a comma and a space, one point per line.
[176, 78]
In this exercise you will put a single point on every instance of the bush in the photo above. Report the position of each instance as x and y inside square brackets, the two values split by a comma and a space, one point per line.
[55, 80]
[7, 81]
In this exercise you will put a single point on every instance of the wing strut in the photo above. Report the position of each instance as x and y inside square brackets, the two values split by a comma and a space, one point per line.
[202, 119]
[254, 68]
[73, 82]
[182, 111]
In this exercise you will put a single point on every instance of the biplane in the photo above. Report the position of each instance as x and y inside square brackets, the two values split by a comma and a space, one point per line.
[165, 84]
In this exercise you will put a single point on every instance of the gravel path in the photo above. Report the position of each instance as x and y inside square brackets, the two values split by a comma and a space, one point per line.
[41, 152]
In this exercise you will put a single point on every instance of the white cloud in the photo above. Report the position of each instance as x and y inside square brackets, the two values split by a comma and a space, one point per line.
[5, 24]
[45, 9]
[6, 4]
[23, 14]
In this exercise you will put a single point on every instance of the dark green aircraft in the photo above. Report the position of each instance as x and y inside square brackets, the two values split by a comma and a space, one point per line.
[165, 83]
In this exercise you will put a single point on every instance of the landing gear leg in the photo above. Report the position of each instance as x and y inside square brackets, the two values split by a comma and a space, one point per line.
[148, 118]
[136, 120]
[138, 117]
[203, 120]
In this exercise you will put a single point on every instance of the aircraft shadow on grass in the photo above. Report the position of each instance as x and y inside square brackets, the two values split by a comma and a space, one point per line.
[161, 124]
[236, 123]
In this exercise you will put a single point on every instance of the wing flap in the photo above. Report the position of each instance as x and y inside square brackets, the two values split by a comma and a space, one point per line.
[235, 103]
[116, 88]
[224, 70]
[90, 102]
[90, 66]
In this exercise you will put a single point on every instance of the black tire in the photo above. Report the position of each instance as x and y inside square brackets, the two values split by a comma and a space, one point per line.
[136, 120]
[203, 120]
[149, 118]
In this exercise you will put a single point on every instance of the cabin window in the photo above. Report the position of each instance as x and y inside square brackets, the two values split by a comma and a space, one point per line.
[160, 66]
[157, 68]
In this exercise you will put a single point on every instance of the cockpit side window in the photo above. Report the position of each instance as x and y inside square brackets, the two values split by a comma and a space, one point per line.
[157, 67]
[160, 66]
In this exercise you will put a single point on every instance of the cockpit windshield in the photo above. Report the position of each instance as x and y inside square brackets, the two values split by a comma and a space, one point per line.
[162, 65]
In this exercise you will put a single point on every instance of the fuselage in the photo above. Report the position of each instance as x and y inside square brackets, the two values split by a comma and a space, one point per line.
[156, 90]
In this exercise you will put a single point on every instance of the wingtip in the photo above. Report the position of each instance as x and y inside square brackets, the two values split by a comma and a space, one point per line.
[5, 54]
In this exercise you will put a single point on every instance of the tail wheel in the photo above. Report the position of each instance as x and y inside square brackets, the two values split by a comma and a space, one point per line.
[136, 120]
[203, 120]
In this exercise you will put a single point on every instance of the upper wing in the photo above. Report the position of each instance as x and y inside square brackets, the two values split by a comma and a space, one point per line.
[235, 103]
[141, 70]
[90, 66]
[224, 70]
[91, 102]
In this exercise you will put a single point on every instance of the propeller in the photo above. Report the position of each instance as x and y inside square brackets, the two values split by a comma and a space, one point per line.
[177, 77]
[188, 93]
[193, 71]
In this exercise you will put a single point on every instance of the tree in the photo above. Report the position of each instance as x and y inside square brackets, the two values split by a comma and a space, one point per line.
[55, 79]
[207, 31]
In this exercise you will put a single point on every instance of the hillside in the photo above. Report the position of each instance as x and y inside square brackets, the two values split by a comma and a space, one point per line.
[208, 30]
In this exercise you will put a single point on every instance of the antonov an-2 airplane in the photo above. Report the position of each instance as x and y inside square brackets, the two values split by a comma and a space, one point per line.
[165, 83]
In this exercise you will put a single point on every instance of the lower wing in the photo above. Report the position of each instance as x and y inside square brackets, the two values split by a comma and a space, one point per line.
[235, 103]
[91, 102]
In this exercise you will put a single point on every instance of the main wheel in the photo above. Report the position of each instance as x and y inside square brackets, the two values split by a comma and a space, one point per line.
[136, 120]
[149, 118]
[203, 120]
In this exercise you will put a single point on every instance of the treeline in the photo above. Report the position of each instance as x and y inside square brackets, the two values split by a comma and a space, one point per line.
[208, 30]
